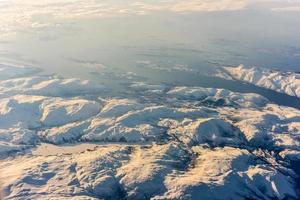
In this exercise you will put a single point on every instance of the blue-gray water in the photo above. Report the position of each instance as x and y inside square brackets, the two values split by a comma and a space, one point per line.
[103, 48]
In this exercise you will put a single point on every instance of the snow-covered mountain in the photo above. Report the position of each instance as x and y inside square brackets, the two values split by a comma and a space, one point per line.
[161, 143]
[283, 82]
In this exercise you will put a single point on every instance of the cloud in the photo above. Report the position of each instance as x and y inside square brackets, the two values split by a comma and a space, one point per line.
[191, 5]
[16, 15]
[209, 5]
[183, 6]
[286, 9]
[275, 5]
[286, 6]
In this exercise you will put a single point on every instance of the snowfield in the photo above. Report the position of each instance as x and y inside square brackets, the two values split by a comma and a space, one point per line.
[11, 71]
[283, 82]
[160, 143]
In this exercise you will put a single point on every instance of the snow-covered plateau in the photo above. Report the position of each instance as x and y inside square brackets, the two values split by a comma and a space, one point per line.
[160, 142]
[283, 82]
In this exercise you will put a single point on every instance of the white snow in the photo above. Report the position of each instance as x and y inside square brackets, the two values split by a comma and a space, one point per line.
[218, 96]
[87, 175]
[227, 173]
[15, 140]
[57, 111]
[8, 71]
[143, 176]
[21, 110]
[36, 111]
[161, 143]
[67, 133]
[208, 130]
[151, 88]
[271, 127]
[283, 82]
[48, 86]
